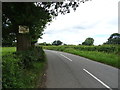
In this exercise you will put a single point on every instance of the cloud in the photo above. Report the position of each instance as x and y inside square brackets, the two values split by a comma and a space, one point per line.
[97, 19]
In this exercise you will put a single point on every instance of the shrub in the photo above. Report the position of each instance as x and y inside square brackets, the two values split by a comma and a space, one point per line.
[34, 54]
[11, 72]
[17, 71]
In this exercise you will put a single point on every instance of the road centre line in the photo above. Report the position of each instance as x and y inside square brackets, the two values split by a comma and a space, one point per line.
[66, 57]
[97, 79]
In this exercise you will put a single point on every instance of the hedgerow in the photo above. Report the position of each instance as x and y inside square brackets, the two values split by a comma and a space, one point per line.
[22, 69]
[107, 54]
[102, 48]
[34, 54]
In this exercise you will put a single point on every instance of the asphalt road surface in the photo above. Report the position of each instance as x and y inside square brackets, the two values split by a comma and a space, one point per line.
[71, 71]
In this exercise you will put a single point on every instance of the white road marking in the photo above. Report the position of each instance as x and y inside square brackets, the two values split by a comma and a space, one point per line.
[66, 57]
[97, 79]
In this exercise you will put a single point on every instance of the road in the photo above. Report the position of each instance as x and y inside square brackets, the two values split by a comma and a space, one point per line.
[71, 71]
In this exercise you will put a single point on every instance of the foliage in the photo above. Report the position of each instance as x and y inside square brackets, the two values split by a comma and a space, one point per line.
[45, 44]
[11, 72]
[102, 54]
[102, 48]
[34, 15]
[29, 15]
[57, 42]
[34, 54]
[8, 44]
[114, 39]
[88, 41]
[14, 75]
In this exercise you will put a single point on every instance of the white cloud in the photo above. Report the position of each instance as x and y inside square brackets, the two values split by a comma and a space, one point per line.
[97, 19]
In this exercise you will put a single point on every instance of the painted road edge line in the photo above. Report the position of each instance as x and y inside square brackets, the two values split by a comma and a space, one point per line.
[66, 57]
[97, 79]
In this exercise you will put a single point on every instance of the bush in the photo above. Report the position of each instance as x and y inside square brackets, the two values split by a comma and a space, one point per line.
[34, 54]
[22, 69]
[11, 72]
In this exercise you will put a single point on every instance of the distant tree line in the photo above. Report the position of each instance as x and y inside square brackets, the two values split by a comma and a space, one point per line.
[113, 39]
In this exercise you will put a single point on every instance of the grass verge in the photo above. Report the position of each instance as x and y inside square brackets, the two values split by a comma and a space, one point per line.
[33, 77]
[103, 57]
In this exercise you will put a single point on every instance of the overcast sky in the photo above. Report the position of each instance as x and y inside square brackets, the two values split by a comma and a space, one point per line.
[97, 19]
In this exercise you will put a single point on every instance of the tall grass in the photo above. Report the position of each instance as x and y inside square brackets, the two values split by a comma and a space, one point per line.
[107, 58]
[101, 54]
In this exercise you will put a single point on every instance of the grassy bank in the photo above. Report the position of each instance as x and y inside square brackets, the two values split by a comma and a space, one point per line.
[16, 74]
[104, 55]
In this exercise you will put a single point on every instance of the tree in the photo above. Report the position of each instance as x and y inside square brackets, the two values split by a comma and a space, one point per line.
[33, 15]
[65, 44]
[88, 41]
[57, 42]
[113, 39]
[25, 14]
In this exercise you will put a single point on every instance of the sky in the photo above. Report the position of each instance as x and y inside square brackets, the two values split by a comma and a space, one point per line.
[97, 19]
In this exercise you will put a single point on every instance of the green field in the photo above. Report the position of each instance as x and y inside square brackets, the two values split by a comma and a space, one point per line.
[105, 54]
[15, 76]
[8, 50]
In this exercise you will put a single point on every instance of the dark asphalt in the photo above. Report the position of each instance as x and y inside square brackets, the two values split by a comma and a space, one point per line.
[72, 71]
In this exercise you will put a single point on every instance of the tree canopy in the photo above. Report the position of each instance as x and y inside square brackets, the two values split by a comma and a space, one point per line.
[88, 41]
[28, 14]
[113, 39]
[57, 42]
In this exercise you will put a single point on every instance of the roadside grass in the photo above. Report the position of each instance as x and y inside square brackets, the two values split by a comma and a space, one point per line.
[15, 76]
[106, 58]
[103, 57]
[32, 76]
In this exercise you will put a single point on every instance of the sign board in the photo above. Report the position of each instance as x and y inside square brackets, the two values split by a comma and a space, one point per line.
[23, 29]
